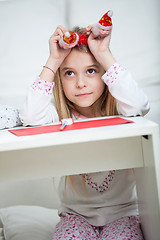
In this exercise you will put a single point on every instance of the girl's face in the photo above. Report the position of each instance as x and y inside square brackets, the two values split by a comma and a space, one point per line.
[81, 80]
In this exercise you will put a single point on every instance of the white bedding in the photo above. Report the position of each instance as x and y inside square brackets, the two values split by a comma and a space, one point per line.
[28, 222]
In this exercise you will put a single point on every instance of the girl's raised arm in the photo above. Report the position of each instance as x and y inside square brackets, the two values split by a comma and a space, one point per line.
[131, 100]
[38, 109]
[99, 46]
[56, 57]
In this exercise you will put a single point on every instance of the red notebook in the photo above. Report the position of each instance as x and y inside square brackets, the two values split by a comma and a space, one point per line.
[75, 126]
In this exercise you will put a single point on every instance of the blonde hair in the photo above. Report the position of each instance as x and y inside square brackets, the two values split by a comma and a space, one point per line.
[104, 106]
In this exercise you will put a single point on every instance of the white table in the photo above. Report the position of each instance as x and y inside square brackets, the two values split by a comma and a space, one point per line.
[134, 145]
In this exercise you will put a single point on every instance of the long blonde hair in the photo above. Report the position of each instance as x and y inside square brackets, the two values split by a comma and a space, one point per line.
[104, 106]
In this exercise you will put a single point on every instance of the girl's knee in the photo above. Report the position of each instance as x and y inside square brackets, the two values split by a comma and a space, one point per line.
[123, 228]
[73, 227]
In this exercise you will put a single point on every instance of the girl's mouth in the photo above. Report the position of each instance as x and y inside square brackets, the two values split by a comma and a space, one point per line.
[83, 94]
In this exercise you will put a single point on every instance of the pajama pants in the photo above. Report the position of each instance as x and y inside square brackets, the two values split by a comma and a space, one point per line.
[75, 227]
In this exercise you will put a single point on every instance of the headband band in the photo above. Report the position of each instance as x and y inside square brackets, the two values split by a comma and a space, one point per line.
[83, 39]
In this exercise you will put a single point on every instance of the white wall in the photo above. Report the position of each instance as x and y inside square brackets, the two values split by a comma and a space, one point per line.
[26, 26]
[40, 192]
[135, 39]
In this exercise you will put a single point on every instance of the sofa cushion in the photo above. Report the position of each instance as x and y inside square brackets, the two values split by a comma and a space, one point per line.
[28, 222]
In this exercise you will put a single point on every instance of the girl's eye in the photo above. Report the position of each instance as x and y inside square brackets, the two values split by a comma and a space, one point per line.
[91, 71]
[69, 73]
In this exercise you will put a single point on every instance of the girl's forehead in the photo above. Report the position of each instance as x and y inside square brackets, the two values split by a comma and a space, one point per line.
[76, 58]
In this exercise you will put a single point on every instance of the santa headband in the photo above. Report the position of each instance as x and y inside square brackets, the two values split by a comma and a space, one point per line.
[71, 39]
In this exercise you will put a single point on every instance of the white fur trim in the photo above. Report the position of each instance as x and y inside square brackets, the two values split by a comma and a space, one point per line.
[110, 13]
[97, 26]
[67, 34]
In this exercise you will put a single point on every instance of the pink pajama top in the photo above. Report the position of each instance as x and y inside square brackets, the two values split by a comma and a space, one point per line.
[100, 197]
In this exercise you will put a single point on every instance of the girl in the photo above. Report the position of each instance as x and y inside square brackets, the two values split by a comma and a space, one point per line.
[88, 82]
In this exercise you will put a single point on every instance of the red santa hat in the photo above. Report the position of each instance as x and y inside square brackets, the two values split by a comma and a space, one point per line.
[69, 40]
[106, 19]
[70, 37]
[105, 23]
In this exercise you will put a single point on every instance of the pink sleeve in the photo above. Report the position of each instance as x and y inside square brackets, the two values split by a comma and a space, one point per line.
[131, 100]
[113, 73]
[39, 107]
[42, 86]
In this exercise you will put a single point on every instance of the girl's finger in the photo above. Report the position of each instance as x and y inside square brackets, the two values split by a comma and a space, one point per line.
[59, 31]
[56, 39]
[104, 32]
[92, 36]
[63, 29]
[89, 29]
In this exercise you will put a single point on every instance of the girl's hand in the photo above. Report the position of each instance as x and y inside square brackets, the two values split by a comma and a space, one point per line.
[99, 46]
[57, 55]
[56, 52]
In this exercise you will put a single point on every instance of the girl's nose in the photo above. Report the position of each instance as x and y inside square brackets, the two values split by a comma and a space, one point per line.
[81, 82]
